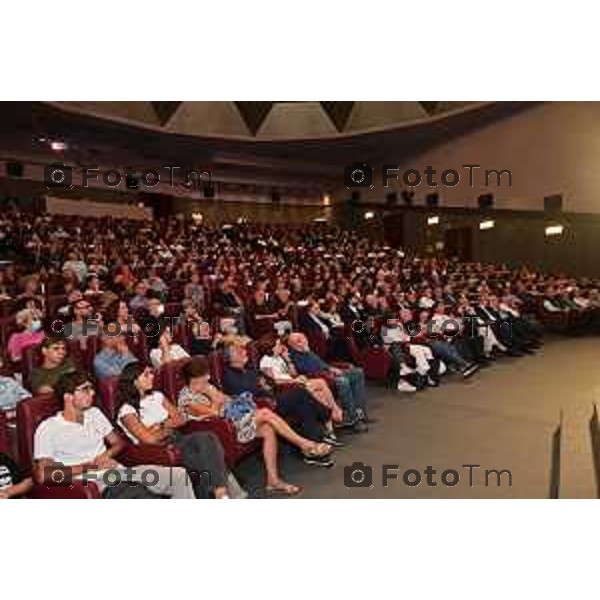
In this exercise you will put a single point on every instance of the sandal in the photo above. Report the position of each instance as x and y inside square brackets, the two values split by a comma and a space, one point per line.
[321, 449]
[288, 489]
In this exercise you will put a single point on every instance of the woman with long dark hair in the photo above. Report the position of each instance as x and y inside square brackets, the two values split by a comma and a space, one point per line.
[148, 417]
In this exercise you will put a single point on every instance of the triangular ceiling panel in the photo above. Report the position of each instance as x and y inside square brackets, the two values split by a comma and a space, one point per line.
[429, 105]
[338, 112]
[165, 109]
[254, 113]
[208, 118]
[293, 120]
[268, 119]
[366, 115]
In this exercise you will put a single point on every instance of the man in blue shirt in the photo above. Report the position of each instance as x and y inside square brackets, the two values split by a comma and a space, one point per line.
[349, 383]
[113, 357]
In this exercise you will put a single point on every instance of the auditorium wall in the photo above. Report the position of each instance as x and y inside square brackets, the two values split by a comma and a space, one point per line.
[217, 211]
[550, 148]
[518, 237]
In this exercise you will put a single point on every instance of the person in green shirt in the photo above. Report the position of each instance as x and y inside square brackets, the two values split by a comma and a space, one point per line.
[55, 364]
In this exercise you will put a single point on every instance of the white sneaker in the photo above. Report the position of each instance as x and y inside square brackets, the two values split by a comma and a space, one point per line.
[404, 386]
[442, 368]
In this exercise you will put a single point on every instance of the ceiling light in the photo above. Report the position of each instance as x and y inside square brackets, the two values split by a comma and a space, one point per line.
[554, 230]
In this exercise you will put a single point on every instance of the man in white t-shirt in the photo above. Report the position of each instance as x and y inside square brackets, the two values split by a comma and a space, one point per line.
[83, 440]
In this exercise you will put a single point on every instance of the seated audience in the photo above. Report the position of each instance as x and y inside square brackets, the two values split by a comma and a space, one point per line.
[294, 404]
[30, 333]
[167, 350]
[113, 357]
[200, 399]
[55, 364]
[349, 383]
[278, 367]
[194, 292]
[14, 481]
[82, 438]
[148, 417]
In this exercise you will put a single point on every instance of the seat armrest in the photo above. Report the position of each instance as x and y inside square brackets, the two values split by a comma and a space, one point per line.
[148, 454]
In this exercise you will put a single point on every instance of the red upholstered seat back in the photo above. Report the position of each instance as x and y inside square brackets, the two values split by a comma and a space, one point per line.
[4, 438]
[170, 378]
[30, 413]
[32, 358]
[216, 361]
[107, 396]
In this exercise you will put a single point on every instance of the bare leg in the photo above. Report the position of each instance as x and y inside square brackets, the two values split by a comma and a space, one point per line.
[269, 448]
[265, 415]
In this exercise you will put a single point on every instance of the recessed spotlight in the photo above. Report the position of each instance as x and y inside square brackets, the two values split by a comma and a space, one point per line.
[489, 224]
[554, 230]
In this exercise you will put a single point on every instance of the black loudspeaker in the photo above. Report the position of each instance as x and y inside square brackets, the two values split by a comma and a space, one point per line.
[132, 183]
[486, 201]
[408, 197]
[14, 169]
[208, 190]
[275, 196]
[391, 198]
[553, 203]
[354, 198]
[161, 204]
[432, 200]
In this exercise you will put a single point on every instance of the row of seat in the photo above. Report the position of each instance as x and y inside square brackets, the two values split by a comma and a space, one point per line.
[32, 411]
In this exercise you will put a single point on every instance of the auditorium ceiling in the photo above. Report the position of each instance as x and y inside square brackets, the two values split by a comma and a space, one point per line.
[244, 138]
[269, 120]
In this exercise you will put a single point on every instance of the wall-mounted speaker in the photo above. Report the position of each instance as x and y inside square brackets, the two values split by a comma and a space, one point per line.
[486, 201]
[161, 204]
[14, 169]
[208, 191]
[432, 200]
[354, 198]
[553, 203]
[391, 198]
[132, 183]
[408, 197]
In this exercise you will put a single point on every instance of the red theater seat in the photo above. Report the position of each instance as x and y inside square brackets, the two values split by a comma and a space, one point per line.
[375, 361]
[170, 378]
